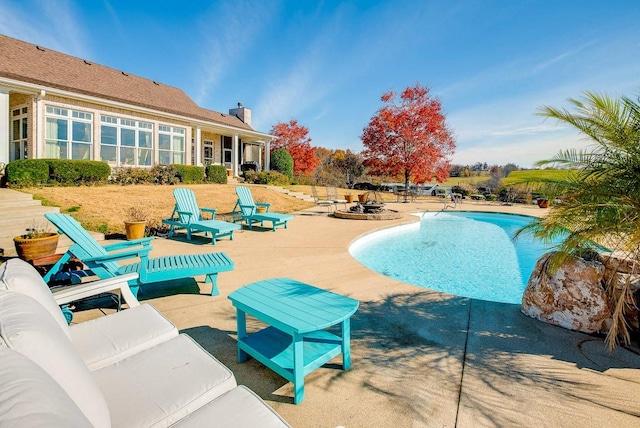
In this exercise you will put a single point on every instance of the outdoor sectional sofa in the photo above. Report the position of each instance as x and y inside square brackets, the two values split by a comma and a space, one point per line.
[131, 368]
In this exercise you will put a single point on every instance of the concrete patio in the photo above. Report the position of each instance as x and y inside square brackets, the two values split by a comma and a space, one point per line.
[419, 358]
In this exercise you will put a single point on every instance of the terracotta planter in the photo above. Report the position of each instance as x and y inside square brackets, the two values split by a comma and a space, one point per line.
[543, 203]
[134, 229]
[261, 209]
[362, 197]
[33, 248]
[348, 198]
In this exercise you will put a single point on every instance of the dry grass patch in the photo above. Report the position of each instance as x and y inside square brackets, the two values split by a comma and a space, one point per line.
[103, 208]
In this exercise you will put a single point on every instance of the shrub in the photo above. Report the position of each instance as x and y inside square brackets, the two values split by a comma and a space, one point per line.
[266, 177]
[190, 174]
[32, 172]
[465, 189]
[165, 174]
[303, 179]
[216, 174]
[27, 172]
[126, 176]
[282, 162]
[73, 172]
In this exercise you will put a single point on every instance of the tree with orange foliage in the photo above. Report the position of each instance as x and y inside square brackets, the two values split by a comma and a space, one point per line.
[293, 138]
[409, 136]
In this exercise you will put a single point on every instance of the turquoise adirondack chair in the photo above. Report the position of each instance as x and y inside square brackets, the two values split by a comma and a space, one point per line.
[249, 210]
[103, 260]
[187, 215]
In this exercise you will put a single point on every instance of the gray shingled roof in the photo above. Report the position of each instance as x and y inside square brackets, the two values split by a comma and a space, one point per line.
[30, 63]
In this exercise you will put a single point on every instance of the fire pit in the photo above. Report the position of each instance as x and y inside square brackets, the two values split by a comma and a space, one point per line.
[371, 209]
[368, 207]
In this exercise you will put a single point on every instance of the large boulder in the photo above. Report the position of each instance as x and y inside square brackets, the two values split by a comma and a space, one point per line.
[572, 297]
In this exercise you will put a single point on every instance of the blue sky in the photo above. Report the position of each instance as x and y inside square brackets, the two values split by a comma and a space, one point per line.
[326, 63]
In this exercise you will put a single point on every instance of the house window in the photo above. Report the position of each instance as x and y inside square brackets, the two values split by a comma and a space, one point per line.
[126, 142]
[171, 146]
[68, 133]
[227, 147]
[18, 147]
[207, 159]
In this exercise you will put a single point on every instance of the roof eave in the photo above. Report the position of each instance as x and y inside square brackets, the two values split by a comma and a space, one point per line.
[35, 88]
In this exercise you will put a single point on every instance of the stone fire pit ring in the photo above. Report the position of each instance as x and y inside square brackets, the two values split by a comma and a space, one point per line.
[384, 215]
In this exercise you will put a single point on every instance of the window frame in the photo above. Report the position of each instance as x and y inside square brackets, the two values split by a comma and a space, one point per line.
[68, 146]
[126, 151]
[171, 154]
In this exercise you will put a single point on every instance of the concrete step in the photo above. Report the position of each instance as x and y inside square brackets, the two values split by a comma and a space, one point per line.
[9, 194]
[25, 217]
[4, 203]
[278, 189]
[299, 195]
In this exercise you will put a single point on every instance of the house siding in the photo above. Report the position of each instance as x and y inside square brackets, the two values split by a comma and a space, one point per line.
[29, 72]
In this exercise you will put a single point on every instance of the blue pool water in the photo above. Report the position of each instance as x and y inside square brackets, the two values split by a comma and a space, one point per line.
[469, 254]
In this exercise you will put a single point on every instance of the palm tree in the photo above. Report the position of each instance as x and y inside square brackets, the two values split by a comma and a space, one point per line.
[600, 193]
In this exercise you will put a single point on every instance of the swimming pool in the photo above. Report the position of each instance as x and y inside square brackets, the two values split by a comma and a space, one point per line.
[469, 254]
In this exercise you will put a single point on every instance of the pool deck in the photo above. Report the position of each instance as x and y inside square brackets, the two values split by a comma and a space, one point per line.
[419, 358]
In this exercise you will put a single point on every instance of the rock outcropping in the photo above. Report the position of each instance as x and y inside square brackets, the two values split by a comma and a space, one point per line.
[573, 297]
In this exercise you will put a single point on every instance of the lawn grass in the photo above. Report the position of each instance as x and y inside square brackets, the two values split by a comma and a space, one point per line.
[518, 177]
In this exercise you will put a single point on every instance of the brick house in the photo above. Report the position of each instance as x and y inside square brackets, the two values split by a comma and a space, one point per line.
[54, 105]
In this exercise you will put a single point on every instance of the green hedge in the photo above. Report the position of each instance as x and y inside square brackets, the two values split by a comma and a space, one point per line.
[63, 172]
[190, 174]
[27, 172]
[216, 174]
[282, 162]
[74, 172]
[267, 177]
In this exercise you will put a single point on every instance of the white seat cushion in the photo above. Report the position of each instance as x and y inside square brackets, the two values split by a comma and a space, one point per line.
[19, 276]
[105, 340]
[29, 397]
[238, 408]
[26, 327]
[161, 385]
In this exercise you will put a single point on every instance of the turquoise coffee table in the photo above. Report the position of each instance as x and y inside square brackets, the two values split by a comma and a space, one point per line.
[295, 343]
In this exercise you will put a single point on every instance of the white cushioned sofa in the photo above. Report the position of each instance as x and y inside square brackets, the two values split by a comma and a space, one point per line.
[127, 369]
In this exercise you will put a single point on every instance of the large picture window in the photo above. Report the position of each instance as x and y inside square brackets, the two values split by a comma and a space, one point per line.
[126, 142]
[171, 144]
[69, 133]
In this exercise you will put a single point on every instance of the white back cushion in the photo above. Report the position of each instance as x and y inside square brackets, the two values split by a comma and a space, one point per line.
[18, 275]
[29, 397]
[26, 327]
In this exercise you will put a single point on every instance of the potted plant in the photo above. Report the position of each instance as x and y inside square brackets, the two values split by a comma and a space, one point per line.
[348, 197]
[135, 223]
[36, 243]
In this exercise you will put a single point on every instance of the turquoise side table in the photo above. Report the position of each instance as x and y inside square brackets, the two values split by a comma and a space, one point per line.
[295, 343]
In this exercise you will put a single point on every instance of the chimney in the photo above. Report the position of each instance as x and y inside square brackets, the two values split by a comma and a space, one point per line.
[242, 113]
